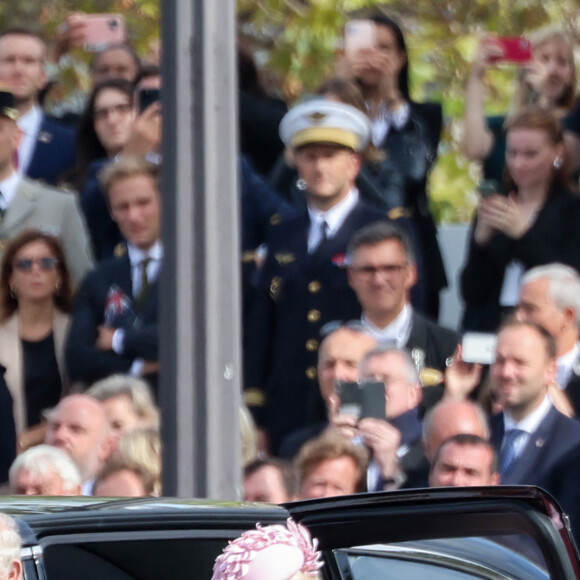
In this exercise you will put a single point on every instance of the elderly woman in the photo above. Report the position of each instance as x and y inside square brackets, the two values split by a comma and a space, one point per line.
[35, 301]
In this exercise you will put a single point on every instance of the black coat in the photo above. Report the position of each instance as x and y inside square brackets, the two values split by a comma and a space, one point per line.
[553, 237]
[111, 281]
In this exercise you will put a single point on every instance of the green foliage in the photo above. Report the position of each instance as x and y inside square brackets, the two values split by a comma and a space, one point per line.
[301, 38]
[297, 42]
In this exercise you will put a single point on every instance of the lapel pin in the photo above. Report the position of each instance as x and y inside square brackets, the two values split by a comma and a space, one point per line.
[45, 137]
[540, 442]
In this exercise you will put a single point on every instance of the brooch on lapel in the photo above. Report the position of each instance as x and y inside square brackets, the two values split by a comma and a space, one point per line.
[540, 442]
[339, 260]
[284, 258]
[430, 377]
[45, 137]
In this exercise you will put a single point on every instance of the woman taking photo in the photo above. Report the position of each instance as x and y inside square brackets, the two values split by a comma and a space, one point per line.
[548, 81]
[408, 131]
[35, 300]
[103, 131]
[535, 223]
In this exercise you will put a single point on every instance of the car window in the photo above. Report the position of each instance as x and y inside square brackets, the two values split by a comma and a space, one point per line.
[514, 556]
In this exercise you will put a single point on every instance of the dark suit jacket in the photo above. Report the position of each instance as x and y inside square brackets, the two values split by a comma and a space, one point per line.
[553, 237]
[551, 460]
[297, 293]
[7, 429]
[572, 389]
[54, 153]
[87, 363]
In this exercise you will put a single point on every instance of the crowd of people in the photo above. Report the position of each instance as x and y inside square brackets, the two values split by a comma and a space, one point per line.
[341, 281]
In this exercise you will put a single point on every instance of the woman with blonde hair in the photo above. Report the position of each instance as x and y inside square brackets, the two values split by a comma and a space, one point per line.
[547, 81]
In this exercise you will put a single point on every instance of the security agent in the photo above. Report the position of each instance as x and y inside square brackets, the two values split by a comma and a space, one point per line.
[303, 282]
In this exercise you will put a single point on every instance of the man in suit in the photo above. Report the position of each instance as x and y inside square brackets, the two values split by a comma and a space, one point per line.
[114, 322]
[47, 148]
[302, 284]
[537, 445]
[464, 460]
[550, 296]
[343, 346]
[382, 271]
[398, 460]
[25, 204]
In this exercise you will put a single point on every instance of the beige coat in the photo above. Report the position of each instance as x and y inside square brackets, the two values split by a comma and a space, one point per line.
[11, 357]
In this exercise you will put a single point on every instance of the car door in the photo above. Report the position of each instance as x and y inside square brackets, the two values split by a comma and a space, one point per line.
[445, 533]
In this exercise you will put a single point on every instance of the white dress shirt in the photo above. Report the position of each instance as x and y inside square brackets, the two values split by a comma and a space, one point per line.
[29, 124]
[565, 365]
[397, 332]
[528, 424]
[334, 218]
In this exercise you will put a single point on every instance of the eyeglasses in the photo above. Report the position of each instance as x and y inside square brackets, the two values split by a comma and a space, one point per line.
[369, 272]
[26, 264]
[103, 113]
[334, 325]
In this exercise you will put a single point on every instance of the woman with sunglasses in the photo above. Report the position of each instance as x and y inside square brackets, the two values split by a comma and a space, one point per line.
[35, 301]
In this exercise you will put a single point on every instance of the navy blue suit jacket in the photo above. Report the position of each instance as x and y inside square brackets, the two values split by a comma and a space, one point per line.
[550, 460]
[297, 293]
[54, 152]
[86, 362]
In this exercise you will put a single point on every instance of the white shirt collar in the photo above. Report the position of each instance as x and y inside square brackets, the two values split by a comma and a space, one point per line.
[8, 188]
[398, 331]
[334, 218]
[530, 423]
[30, 122]
[136, 255]
[565, 364]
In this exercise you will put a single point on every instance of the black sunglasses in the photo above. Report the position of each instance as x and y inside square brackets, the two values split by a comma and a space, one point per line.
[25, 265]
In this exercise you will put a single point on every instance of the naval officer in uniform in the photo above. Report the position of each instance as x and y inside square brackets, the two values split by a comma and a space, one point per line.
[303, 283]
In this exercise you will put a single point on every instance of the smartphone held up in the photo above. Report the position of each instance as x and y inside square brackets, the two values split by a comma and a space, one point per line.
[514, 49]
[358, 35]
[362, 399]
[102, 30]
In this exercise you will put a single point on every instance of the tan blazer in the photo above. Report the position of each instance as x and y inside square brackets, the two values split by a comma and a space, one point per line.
[11, 358]
[55, 212]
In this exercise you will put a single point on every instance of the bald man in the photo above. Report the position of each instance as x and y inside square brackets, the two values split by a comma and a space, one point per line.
[79, 426]
[339, 356]
[449, 418]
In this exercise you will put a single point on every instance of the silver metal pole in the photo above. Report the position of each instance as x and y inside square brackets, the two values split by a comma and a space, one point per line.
[200, 297]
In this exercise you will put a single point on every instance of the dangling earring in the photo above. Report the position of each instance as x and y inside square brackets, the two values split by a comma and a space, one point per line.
[57, 289]
[13, 294]
[558, 162]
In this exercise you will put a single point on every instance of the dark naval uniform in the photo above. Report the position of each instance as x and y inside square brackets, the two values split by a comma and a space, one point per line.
[297, 293]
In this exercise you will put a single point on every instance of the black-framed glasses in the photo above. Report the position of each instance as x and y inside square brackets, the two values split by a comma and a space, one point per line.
[26, 264]
[384, 270]
[334, 325]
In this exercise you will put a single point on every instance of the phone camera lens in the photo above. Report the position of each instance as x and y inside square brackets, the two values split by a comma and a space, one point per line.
[113, 24]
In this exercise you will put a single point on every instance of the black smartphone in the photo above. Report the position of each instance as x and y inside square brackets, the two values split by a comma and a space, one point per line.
[488, 187]
[365, 398]
[147, 97]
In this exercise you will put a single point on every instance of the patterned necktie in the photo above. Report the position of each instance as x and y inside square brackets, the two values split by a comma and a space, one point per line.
[508, 456]
[144, 285]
